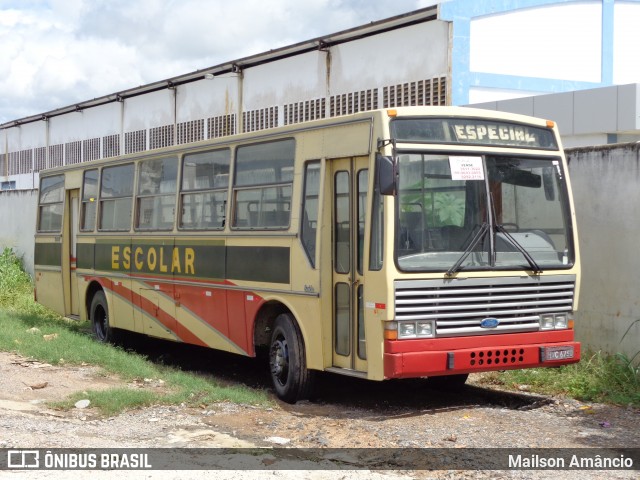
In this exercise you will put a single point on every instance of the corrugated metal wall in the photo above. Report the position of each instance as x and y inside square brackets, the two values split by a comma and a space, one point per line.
[406, 66]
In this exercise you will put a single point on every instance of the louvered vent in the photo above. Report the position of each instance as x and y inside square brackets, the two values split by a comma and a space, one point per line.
[353, 102]
[40, 159]
[192, 131]
[20, 162]
[160, 137]
[72, 153]
[305, 111]
[135, 141]
[111, 146]
[260, 119]
[56, 155]
[221, 126]
[431, 92]
[90, 149]
[459, 306]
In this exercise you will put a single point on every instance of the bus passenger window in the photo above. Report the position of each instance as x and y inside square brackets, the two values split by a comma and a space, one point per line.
[156, 199]
[205, 182]
[51, 204]
[309, 226]
[116, 193]
[89, 200]
[263, 184]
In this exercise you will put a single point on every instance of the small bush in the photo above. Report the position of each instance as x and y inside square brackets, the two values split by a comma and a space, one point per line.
[597, 378]
[16, 287]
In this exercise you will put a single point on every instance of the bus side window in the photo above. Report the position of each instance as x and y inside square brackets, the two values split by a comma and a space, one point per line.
[308, 228]
[116, 194]
[263, 184]
[89, 200]
[51, 198]
[156, 193]
[203, 193]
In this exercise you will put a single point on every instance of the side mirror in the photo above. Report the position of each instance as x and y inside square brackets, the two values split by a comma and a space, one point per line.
[385, 175]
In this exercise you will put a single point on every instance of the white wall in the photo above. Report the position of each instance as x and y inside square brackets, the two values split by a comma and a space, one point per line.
[18, 219]
[554, 41]
[605, 187]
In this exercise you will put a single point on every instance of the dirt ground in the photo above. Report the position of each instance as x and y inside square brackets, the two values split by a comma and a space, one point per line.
[349, 414]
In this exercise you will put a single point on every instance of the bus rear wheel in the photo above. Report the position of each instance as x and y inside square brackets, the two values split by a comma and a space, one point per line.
[99, 316]
[291, 378]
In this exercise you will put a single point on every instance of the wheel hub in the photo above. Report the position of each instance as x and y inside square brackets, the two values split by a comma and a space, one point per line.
[280, 360]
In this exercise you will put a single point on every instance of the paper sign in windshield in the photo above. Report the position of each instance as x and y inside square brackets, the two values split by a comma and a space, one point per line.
[466, 168]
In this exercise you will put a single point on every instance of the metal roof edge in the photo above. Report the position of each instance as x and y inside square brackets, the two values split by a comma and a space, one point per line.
[362, 31]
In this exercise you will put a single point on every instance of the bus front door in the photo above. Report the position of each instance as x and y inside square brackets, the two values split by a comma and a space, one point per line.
[349, 183]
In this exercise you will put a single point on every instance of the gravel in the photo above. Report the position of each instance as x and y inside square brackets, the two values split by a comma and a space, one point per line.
[371, 416]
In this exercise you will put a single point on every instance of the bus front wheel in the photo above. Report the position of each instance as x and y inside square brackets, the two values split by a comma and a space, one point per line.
[291, 378]
[99, 316]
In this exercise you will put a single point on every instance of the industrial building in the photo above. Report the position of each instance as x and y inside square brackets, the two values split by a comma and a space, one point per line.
[571, 61]
[447, 54]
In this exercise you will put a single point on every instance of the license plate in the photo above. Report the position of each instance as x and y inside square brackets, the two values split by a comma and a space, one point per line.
[558, 353]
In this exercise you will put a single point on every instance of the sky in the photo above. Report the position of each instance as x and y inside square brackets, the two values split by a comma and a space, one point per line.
[54, 53]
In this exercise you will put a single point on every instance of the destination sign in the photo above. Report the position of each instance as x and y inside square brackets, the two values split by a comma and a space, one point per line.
[472, 131]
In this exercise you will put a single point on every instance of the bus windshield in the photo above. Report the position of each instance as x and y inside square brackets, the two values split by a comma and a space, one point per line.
[477, 212]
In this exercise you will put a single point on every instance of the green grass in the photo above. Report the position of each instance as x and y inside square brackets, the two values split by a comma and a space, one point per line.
[33, 331]
[597, 377]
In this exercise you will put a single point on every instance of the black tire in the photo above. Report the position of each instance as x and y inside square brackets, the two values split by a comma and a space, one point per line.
[448, 382]
[99, 316]
[291, 379]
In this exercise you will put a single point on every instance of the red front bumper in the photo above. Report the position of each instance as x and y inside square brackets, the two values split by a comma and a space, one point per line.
[449, 356]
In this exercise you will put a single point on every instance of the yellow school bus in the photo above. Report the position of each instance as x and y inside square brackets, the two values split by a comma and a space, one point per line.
[413, 242]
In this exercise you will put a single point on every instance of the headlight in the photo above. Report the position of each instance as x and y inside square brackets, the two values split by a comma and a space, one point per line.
[550, 321]
[406, 330]
[425, 329]
[561, 321]
[419, 329]
[546, 322]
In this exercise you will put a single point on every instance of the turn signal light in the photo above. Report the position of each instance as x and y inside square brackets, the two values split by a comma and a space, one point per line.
[390, 334]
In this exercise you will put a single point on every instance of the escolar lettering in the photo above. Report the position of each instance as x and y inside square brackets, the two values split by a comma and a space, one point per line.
[154, 259]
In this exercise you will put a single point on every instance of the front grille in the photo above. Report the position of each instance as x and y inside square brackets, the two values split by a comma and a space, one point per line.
[458, 306]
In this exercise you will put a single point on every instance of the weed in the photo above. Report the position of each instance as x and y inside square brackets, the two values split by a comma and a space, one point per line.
[597, 378]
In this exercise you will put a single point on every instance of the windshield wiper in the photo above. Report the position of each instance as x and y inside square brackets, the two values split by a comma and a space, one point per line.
[477, 238]
[532, 263]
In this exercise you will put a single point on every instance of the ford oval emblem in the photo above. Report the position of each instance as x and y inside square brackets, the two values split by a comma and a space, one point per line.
[489, 322]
